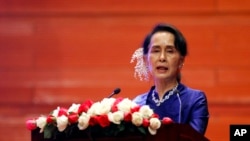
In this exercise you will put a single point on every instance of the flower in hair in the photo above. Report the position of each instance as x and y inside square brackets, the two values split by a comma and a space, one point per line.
[141, 70]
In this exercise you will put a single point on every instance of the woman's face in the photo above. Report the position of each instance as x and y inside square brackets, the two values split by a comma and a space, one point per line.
[163, 60]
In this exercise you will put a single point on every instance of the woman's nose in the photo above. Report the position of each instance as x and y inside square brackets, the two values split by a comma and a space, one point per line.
[162, 57]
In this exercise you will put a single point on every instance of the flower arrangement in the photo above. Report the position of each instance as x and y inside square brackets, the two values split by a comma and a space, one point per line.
[109, 117]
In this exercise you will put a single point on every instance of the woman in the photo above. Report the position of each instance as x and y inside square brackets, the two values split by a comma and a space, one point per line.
[164, 51]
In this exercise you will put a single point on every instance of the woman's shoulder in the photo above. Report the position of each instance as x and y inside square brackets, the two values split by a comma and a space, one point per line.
[141, 99]
[194, 97]
[193, 92]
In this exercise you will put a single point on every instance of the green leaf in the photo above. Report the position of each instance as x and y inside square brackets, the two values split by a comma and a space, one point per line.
[121, 128]
[142, 130]
[48, 131]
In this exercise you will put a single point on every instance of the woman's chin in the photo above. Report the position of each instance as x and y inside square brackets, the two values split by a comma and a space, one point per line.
[161, 76]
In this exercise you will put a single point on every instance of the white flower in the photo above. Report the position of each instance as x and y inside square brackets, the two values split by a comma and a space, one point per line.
[41, 122]
[154, 124]
[99, 108]
[146, 111]
[55, 112]
[125, 105]
[152, 131]
[137, 118]
[103, 109]
[62, 122]
[83, 121]
[141, 70]
[106, 105]
[116, 117]
[93, 109]
[74, 108]
[108, 101]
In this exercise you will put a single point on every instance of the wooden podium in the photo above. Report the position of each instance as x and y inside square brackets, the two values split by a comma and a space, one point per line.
[172, 132]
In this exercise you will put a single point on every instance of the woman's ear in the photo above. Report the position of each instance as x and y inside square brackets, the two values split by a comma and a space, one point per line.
[182, 60]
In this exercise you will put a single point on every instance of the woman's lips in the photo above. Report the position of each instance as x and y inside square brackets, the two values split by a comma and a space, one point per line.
[162, 68]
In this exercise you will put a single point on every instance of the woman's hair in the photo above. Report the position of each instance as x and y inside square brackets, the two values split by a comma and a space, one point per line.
[179, 42]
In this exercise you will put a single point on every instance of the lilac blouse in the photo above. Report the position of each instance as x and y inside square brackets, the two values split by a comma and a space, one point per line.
[183, 105]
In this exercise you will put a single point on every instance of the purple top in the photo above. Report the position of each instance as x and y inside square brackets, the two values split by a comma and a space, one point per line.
[185, 105]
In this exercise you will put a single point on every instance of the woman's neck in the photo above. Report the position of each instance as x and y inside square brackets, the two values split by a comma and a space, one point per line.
[161, 87]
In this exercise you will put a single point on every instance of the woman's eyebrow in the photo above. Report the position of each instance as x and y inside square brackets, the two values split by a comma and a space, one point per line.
[155, 46]
[170, 46]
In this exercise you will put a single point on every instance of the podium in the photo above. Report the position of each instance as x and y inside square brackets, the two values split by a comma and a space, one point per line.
[171, 132]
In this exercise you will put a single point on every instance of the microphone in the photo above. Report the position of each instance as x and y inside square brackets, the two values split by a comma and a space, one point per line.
[180, 106]
[116, 91]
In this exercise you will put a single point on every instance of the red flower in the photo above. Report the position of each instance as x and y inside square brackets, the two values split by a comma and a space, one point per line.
[127, 117]
[93, 120]
[135, 109]
[118, 100]
[62, 111]
[114, 107]
[85, 106]
[145, 122]
[73, 118]
[155, 115]
[50, 119]
[31, 124]
[167, 120]
[103, 120]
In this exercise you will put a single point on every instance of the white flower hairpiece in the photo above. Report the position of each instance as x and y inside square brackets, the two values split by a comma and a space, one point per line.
[141, 70]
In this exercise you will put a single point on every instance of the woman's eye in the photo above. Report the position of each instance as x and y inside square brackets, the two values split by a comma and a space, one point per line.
[155, 50]
[170, 50]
